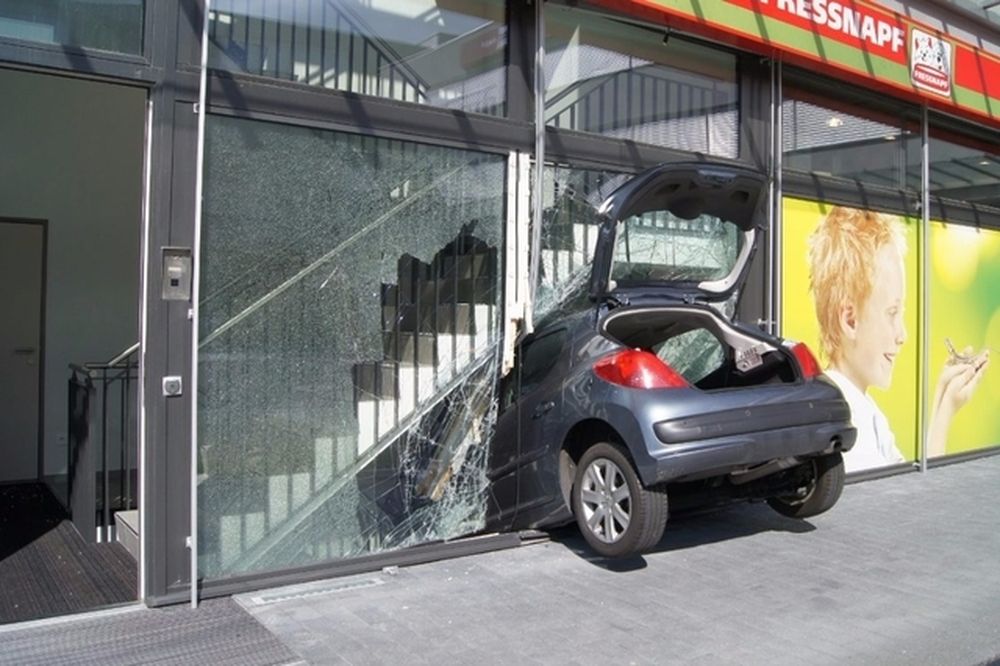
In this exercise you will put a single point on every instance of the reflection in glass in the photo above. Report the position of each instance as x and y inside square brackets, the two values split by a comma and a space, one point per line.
[635, 82]
[658, 246]
[347, 345]
[848, 142]
[569, 232]
[443, 54]
[107, 25]
[965, 170]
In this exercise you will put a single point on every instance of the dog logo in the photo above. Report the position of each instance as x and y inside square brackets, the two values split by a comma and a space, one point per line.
[930, 62]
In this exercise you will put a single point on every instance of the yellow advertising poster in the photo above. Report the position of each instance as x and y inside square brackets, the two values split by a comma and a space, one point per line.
[963, 339]
[849, 291]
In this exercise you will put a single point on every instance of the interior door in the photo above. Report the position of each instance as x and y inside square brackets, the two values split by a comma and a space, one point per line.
[22, 246]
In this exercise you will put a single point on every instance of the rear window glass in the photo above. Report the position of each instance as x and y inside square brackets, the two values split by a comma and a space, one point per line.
[658, 246]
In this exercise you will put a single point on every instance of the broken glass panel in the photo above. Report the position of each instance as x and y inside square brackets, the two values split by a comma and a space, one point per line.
[348, 344]
[658, 246]
[704, 248]
[694, 354]
[570, 221]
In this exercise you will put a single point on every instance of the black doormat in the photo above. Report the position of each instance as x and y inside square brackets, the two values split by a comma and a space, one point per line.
[46, 568]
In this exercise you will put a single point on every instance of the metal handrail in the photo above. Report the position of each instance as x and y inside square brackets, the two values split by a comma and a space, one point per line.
[119, 369]
[326, 258]
[124, 355]
[252, 556]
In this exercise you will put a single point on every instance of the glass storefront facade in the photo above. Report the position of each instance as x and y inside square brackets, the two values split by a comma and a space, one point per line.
[868, 140]
[633, 81]
[348, 327]
[367, 188]
[443, 54]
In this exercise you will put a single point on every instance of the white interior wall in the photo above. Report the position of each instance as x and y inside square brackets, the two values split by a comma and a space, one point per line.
[71, 153]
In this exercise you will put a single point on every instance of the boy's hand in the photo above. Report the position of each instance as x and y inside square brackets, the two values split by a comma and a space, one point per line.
[959, 381]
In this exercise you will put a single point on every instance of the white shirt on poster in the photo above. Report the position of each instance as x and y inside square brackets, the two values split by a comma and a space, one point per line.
[876, 445]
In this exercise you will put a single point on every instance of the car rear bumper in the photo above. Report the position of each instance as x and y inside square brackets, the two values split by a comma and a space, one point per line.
[717, 443]
[751, 418]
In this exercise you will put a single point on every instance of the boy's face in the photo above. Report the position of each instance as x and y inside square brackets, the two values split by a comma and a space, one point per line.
[878, 330]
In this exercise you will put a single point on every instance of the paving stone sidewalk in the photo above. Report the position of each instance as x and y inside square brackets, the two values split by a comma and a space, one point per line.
[904, 570]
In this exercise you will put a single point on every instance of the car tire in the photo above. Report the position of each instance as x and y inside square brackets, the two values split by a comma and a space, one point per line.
[820, 494]
[615, 514]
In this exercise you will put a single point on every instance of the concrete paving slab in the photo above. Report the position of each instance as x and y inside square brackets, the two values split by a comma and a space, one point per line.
[903, 571]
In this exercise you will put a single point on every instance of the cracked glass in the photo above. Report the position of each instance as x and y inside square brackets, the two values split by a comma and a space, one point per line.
[570, 222]
[655, 245]
[659, 247]
[348, 344]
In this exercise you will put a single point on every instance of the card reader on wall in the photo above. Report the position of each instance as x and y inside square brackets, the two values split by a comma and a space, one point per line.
[176, 273]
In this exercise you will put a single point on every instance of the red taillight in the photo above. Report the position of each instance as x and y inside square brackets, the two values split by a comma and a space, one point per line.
[807, 362]
[636, 368]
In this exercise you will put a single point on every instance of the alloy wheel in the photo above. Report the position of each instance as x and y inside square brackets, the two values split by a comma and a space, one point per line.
[606, 500]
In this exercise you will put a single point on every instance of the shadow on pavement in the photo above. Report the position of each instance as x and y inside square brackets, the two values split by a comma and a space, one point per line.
[690, 529]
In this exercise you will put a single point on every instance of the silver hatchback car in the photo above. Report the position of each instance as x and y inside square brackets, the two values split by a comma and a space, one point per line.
[642, 388]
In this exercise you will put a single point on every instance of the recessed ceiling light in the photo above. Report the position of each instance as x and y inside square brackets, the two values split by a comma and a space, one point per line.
[985, 161]
[834, 121]
[889, 137]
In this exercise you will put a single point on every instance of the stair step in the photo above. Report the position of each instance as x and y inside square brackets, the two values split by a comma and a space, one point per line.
[409, 347]
[238, 533]
[332, 454]
[285, 493]
[469, 265]
[449, 318]
[581, 237]
[585, 239]
[127, 531]
[559, 265]
[375, 379]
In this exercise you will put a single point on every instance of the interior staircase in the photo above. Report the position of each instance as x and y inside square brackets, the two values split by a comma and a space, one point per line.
[411, 468]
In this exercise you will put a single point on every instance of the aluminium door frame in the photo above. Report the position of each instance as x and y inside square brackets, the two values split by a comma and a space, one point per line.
[151, 70]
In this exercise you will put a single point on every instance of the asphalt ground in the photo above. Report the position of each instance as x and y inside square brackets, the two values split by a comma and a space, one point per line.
[904, 570]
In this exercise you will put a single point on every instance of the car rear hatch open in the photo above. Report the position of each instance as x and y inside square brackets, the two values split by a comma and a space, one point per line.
[684, 231]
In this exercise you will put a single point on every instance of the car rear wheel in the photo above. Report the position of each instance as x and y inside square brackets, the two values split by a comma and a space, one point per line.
[818, 494]
[616, 515]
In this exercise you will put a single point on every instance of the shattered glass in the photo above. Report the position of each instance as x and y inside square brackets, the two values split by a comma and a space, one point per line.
[570, 221]
[115, 26]
[704, 248]
[694, 354]
[348, 346]
[658, 246]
